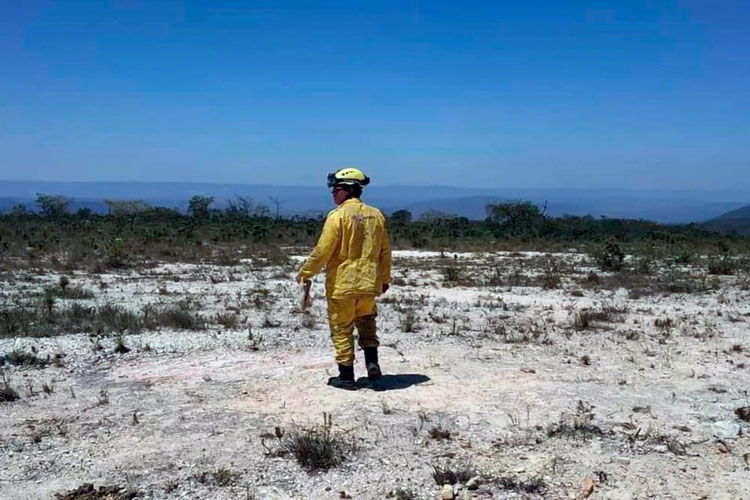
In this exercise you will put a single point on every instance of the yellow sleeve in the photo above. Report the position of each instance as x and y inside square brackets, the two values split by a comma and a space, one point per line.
[323, 251]
[385, 257]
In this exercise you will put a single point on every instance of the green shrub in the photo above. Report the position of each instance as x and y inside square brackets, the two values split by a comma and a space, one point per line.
[22, 358]
[179, 318]
[451, 275]
[721, 265]
[609, 257]
[115, 250]
[70, 292]
[644, 265]
[114, 318]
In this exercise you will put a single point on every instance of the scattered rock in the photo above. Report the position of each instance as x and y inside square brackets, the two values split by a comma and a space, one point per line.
[677, 447]
[525, 369]
[473, 483]
[726, 429]
[743, 412]
[447, 493]
[587, 487]
[618, 494]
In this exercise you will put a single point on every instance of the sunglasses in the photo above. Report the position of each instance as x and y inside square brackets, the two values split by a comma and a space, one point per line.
[331, 180]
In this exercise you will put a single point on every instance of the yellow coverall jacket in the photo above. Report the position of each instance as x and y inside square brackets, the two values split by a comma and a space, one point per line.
[356, 253]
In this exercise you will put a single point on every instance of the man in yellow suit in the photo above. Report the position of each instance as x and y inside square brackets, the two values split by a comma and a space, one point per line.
[356, 253]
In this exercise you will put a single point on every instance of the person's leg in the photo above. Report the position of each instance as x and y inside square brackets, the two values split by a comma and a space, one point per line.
[341, 323]
[364, 318]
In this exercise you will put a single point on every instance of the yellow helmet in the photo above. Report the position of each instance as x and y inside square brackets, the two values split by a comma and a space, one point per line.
[348, 175]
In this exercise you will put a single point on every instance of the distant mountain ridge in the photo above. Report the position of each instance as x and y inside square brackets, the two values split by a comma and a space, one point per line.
[736, 221]
[740, 213]
[667, 206]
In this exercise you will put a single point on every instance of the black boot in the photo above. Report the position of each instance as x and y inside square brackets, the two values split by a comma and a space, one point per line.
[371, 362]
[345, 380]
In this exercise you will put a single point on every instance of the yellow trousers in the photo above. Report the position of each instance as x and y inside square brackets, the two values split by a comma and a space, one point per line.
[343, 316]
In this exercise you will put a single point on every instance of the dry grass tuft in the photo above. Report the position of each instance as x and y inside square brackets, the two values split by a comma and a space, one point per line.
[534, 485]
[317, 448]
[26, 359]
[89, 492]
[439, 433]
[410, 321]
[452, 474]
[578, 425]
[586, 319]
[7, 393]
[220, 477]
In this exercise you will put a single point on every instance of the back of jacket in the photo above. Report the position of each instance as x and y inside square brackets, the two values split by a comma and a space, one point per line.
[355, 251]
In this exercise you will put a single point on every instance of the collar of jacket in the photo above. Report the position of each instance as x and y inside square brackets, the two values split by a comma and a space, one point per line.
[351, 200]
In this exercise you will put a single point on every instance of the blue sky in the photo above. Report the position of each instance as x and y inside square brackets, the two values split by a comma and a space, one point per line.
[641, 94]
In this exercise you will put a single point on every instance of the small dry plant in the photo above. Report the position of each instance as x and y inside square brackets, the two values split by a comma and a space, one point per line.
[579, 424]
[439, 433]
[220, 477]
[409, 321]
[7, 393]
[534, 485]
[89, 492]
[452, 474]
[317, 448]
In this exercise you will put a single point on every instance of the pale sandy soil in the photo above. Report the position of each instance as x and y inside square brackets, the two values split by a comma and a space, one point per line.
[500, 368]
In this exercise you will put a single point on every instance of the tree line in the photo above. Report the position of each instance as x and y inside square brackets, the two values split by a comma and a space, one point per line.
[133, 226]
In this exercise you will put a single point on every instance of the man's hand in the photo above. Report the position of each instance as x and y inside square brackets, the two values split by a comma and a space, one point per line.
[385, 287]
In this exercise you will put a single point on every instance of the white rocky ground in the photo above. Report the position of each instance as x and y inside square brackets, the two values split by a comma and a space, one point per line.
[621, 409]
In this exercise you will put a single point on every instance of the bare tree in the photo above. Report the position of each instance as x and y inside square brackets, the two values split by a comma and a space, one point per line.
[241, 206]
[277, 203]
[127, 209]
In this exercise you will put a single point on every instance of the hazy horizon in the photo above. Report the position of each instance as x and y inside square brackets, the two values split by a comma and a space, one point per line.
[671, 206]
[324, 188]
